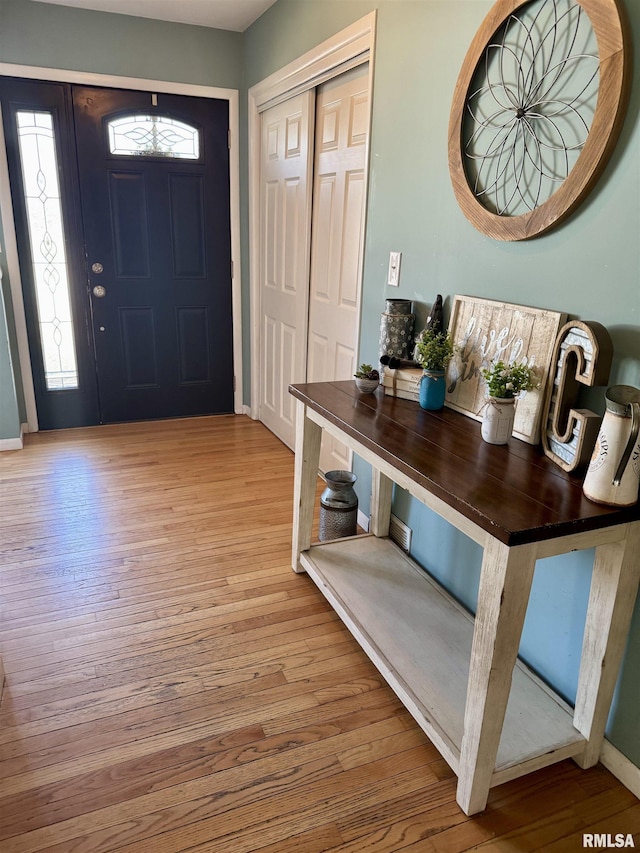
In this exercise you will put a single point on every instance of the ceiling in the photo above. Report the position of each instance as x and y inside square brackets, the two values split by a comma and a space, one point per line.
[234, 15]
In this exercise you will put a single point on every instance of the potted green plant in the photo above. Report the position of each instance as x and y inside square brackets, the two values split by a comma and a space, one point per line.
[367, 378]
[433, 352]
[505, 382]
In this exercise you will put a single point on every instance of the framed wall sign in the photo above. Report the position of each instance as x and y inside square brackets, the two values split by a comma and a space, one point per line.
[485, 331]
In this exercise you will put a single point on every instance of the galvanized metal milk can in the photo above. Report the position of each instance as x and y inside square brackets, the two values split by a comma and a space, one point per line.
[338, 506]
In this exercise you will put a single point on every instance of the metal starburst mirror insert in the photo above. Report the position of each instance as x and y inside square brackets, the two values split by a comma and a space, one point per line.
[529, 128]
[531, 108]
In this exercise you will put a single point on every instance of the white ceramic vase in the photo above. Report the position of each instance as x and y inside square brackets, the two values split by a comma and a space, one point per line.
[497, 420]
[367, 386]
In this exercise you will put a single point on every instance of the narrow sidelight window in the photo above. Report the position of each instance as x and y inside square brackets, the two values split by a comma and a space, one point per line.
[46, 238]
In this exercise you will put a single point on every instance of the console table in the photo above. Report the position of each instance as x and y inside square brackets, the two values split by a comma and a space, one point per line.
[490, 717]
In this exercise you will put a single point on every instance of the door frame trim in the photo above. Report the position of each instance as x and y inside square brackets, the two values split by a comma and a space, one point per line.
[58, 75]
[347, 49]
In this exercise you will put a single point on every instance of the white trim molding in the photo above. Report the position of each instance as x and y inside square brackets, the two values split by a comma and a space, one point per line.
[15, 285]
[11, 443]
[621, 767]
[14, 443]
[347, 49]
[6, 212]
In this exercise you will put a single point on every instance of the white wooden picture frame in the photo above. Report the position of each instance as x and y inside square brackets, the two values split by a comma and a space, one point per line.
[485, 331]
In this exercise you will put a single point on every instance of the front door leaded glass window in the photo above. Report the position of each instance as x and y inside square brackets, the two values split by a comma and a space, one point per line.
[153, 136]
[39, 165]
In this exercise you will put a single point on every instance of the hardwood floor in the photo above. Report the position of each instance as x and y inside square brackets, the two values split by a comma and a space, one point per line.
[171, 684]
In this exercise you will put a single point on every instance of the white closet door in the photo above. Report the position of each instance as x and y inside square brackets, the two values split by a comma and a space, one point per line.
[285, 198]
[339, 184]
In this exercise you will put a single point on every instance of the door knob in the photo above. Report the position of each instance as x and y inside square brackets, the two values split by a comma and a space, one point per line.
[99, 291]
[97, 268]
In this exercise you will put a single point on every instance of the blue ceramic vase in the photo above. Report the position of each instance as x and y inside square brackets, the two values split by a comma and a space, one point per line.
[432, 390]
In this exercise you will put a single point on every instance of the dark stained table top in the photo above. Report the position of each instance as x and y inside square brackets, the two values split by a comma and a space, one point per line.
[512, 491]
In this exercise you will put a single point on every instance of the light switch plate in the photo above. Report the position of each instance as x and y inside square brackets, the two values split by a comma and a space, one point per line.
[393, 279]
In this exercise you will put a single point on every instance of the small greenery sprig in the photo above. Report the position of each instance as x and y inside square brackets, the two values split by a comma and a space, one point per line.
[434, 350]
[509, 380]
[366, 371]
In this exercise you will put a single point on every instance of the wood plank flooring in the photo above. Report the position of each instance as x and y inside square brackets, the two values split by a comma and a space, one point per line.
[171, 684]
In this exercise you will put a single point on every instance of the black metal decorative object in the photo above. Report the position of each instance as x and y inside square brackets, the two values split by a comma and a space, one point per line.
[396, 328]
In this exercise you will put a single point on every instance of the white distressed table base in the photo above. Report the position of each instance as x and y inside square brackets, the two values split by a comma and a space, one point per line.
[388, 607]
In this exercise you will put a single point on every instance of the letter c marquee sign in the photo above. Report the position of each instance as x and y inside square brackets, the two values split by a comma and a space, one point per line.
[582, 355]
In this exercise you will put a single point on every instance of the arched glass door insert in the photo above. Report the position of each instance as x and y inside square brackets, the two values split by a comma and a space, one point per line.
[153, 136]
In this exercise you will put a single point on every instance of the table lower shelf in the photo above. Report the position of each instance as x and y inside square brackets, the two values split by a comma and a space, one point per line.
[420, 640]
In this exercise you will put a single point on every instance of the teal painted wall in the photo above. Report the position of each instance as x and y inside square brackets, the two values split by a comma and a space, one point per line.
[55, 36]
[589, 267]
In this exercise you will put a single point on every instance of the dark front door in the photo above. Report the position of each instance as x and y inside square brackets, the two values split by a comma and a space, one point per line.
[154, 188]
[147, 224]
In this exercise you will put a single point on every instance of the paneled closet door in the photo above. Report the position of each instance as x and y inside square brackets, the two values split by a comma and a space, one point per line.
[339, 183]
[285, 204]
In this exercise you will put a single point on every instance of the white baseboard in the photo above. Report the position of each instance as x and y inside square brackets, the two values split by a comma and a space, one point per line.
[621, 767]
[13, 443]
[363, 521]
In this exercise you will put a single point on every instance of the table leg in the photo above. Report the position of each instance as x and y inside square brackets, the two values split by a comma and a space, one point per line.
[503, 595]
[381, 493]
[614, 586]
[307, 458]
